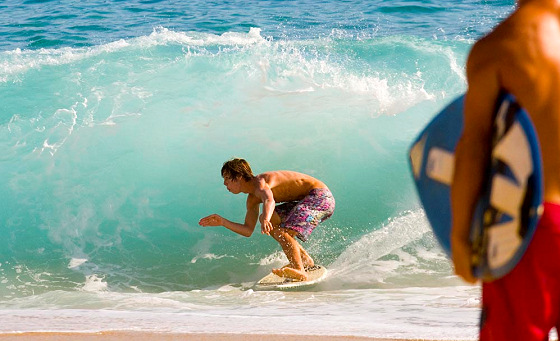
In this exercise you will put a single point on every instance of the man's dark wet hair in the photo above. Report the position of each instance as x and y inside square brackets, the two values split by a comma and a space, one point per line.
[236, 168]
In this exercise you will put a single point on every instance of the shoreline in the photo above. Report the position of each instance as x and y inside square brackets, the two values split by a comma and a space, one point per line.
[153, 336]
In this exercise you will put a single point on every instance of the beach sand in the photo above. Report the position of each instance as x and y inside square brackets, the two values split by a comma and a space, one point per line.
[146, 336]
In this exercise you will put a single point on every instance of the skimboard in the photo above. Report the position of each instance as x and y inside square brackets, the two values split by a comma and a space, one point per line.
[273, 282]
[510, 203]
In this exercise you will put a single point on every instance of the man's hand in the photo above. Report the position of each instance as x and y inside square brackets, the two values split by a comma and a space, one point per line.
[266, 227]
[211, 220]
[461, 255]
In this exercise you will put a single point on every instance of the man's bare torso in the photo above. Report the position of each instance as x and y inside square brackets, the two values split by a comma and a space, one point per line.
[288, 185]
[524, 52]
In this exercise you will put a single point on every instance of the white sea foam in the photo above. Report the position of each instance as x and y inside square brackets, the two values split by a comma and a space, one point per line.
[435, 314]
[398, 232]
[94, 283]
[209, 256]
[164, 36]
[15, 62]
[277, 257]
[403, 252]
[76, 262]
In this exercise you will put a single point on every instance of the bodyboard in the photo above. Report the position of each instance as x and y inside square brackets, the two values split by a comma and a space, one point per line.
[510, 203]
[271, 281]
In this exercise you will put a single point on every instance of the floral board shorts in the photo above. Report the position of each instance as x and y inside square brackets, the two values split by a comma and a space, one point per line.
[304, 215]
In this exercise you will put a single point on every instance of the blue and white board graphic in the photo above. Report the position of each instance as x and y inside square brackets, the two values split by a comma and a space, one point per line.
[510, 204]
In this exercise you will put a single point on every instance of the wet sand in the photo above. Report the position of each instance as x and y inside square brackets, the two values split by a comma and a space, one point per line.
[146, 336]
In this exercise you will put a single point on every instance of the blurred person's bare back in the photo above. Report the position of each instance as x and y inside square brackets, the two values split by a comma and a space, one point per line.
[523, 53]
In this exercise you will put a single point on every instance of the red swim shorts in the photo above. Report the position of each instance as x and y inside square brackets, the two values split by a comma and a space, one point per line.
[524, 305]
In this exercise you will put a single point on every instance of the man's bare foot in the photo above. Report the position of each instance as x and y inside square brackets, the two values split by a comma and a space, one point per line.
[308, 262]
[288, 272]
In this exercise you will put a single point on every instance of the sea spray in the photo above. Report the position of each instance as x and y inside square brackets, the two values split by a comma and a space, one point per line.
[401, 252]
[112, 152]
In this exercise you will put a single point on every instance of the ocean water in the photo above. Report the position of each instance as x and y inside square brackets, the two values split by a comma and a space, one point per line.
[115, 119]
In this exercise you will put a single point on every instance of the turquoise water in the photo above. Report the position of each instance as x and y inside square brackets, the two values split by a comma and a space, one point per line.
[34, 24]
[115, 119]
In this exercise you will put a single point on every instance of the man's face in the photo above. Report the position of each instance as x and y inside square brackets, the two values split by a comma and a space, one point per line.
[233, 185]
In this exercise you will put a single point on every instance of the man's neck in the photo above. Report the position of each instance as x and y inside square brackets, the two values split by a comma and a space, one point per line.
[248, 187]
